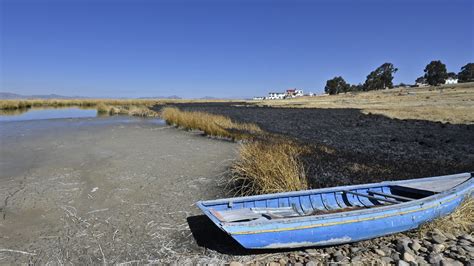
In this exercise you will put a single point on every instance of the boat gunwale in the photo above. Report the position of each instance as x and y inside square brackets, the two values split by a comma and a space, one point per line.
[394, 207]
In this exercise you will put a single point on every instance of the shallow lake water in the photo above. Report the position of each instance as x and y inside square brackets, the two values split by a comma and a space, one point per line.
[130, 184]
[46, 113]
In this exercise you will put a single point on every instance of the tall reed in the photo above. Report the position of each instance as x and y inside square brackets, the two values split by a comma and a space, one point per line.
[210, 124]
[269, 167]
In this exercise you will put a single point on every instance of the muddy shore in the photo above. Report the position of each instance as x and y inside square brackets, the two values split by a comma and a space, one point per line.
[89, 191]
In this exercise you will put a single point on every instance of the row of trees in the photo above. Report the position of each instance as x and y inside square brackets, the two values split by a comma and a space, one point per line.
[382, 78]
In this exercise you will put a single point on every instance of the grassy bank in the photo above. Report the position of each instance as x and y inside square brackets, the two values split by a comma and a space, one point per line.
[24, 104]
[447, 103]
[266, 163]
[210, 124]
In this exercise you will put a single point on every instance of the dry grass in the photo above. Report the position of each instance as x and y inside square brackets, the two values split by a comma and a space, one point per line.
[210, 124]
[132, 110]
[461, 220]
[29, 103]
[447, 103]
[269, 167]
[22, 104]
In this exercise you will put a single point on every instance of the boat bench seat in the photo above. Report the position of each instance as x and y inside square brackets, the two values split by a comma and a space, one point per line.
[246, 214]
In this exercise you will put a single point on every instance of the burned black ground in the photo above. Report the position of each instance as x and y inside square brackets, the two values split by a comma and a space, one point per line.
[349, 147]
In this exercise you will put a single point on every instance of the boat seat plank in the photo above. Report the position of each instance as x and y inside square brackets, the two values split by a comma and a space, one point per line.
[236, 215]
[371, 197]
[391, 196]
[436, 185]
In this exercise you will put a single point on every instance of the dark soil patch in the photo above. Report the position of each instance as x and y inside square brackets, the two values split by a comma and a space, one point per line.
[349, 147]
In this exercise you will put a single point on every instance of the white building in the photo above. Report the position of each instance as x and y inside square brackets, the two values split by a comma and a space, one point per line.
[294, 93]
[451, 80]
[276, 95]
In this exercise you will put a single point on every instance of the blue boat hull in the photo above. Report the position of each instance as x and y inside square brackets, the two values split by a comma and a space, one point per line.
[336, 228]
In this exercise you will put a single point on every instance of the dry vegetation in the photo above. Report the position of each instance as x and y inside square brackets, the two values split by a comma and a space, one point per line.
[266, 164]
[211, 125]
[132, 110]
[23, 104]
[269, 167]
[461, 220]
[447, 103]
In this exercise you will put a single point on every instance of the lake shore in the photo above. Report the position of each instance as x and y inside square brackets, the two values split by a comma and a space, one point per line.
[95, 190]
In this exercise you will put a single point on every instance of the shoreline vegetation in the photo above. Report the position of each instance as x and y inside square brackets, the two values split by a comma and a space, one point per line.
[266, 163]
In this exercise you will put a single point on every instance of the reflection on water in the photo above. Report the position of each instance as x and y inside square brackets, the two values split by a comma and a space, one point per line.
[45, 113]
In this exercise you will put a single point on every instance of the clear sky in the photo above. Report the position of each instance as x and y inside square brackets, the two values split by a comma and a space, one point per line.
[226, 48]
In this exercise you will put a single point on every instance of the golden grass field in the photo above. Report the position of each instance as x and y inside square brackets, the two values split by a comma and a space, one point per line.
[447, 103]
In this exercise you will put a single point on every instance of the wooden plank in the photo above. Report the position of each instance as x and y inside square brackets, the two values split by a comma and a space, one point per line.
[370, 197]
[236, 215]
[391, 196]
[439, 185]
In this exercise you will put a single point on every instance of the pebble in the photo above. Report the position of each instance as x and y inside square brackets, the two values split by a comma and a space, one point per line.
[310, 263]
[450, 236]
[379, 252]
[339, 258]
[438, 248]
[387, 260]
[450, 262]
[402, 263]
[468, 237]
[440, 239]
[408, 257]
[235, 263]
[354, 249]
[435, 258]
[415, 246]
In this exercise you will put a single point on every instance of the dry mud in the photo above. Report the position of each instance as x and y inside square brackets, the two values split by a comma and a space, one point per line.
[89, 191]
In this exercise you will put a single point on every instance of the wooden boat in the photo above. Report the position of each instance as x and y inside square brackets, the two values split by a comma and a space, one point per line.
[338, 215]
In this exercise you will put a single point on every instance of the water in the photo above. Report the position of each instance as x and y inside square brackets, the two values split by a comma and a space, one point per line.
[50, 113]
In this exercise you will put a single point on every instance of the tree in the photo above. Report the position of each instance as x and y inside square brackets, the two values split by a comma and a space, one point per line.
[435, 73]
[420, 80]
[355, 88]
[336, 85]
[467, 73]
[381, 78]
[452, 75]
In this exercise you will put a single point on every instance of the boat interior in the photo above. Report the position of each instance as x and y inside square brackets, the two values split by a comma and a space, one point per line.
[317, 203]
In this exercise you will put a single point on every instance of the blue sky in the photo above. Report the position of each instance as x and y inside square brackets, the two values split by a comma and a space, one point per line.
[224, 48]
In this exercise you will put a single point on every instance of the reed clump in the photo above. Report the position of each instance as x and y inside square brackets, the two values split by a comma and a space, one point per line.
[269, 167]
[210, 124]
[132, 110]
[461, 220]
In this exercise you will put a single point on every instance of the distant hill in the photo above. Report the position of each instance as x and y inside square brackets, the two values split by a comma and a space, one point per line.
[13, 96]
[176, 97]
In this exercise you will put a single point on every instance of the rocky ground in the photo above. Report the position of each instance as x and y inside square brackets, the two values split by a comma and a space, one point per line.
[435, 248]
